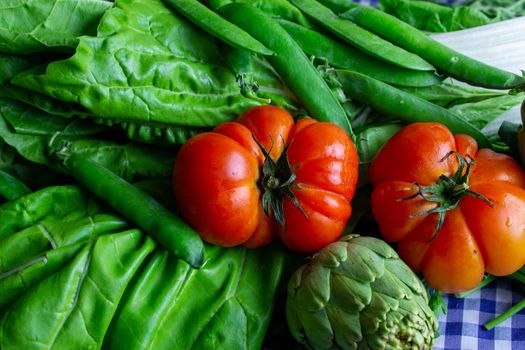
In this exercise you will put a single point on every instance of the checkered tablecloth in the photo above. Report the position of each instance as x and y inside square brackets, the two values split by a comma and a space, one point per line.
[462, 327]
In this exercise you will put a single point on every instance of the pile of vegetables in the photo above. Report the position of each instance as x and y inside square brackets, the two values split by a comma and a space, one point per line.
[149, 149]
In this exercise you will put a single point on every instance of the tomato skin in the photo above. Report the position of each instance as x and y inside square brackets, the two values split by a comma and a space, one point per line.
[216, 191]
[218, 180]
[423, 163]
[475, 237]
[325, 162]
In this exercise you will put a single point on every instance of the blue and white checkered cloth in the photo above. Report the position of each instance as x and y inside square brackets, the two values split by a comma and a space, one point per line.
[462, 327]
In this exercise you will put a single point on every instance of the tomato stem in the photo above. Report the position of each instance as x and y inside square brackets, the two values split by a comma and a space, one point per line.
[447, 192]
[277, 180]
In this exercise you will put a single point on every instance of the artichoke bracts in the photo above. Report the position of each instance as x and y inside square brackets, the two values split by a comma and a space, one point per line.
[357, 293]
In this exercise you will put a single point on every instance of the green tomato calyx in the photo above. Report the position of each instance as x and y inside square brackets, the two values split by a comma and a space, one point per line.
[447, 192]
[276, 183]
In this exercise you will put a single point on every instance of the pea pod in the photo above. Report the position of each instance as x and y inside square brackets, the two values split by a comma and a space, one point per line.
[361, 38]
[137, 206]
[291, 63]
[404, 106]
[346, 57]
[217, 26]
[447, 60]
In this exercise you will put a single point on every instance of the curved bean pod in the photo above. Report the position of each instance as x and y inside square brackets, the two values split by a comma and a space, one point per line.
[347, 57]
[291, 63]
[137, 206]
[361, 38]
[445, 59]
[214, 24]
[404, 106]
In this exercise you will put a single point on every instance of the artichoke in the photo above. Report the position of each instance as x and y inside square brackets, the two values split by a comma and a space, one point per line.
[357, 294]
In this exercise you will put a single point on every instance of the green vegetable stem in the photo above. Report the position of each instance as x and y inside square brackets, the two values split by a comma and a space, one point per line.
[402, 105]
[445, 59]
[291, 63]
[169, 230]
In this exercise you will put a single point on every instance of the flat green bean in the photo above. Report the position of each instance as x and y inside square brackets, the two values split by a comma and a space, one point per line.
[408, 108]
[217, 26]
[361, 38]
[455, 64]
[347, 57]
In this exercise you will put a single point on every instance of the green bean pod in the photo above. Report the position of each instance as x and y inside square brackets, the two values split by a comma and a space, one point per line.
[137, 206]
[361, 38]
[347, 57]
[455, 64]
[408, 108]
[214, 24]
[291, 63]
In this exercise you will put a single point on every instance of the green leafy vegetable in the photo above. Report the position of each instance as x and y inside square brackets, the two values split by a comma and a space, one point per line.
[10, 187]
[98, 283]
[433, 17]
[82, 307]
[499, 10]
[483, 112]
[31, 26]
[224, 304]
[32, 132]
[450, 93]
[147, 65]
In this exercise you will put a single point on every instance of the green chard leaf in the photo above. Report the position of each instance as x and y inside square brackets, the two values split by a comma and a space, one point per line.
[433, 17]
[91, 286]
[33, 133]
[499, 10]
[37, 25]
[147, 65]
[483, 112]
[450, 93]
[227, 303]
[99, 283]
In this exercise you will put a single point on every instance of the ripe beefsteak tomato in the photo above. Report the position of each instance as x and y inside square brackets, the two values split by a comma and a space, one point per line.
[263, 174]
[455, 211]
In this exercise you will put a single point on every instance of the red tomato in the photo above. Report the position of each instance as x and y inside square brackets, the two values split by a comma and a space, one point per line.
[219, 181]
[476, 236]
